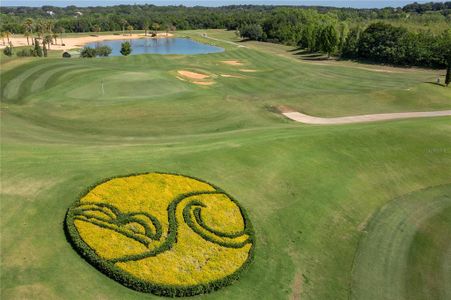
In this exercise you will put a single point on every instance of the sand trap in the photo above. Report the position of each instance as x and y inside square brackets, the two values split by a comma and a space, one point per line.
[203, 82]
[192, 75]
[79, 42]
[231, 76]
[232, 62]
[248, 70]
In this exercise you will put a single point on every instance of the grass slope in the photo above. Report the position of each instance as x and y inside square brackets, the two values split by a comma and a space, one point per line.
[307, 189]
[404, 251]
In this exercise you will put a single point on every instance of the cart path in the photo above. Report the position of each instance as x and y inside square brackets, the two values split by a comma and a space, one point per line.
[306, 119]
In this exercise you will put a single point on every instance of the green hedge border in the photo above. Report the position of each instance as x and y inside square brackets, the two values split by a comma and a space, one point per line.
[108, 268]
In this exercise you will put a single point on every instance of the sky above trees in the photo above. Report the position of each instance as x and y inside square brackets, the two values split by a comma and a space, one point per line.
[337, 3]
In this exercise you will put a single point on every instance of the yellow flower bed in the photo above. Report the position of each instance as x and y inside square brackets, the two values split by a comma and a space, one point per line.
[128, 222]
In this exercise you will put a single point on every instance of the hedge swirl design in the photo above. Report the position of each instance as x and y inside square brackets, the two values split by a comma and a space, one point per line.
[201, 241]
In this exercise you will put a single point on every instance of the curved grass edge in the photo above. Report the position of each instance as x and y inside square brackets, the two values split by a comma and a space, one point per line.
[128, 280]
[396, 202]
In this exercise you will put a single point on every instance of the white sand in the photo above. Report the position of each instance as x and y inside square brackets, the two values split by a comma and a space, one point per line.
[79, 42]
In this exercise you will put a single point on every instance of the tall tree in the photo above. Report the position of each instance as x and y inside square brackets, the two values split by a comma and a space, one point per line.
[8, 35]
[29, 24]
[123, 23]
[145, 27]
[130, 29]
[61, 31]
[48, 39]
[27, 34]
[37, 51]
[328, 39]
[96, 28]
[350, 47]
[155, 27]
[41, 28]
[445, 45]
[44, 48]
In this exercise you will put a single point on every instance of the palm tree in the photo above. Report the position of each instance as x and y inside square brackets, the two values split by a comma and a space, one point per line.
[49, 26]
[28, 24]
[3, 37]
[146, 27]
[96, 28]
[8, 35]
[155, 27]
[48, 39]
[55, 35]
[27, 34]
[41, 28]
[130, 29]
[61, 31]
[123, 23]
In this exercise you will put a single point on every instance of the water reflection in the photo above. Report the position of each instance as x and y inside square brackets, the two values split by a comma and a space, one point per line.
[159, 46]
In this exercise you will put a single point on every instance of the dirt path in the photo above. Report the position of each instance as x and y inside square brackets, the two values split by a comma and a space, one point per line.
[306, 119]
[224, 41]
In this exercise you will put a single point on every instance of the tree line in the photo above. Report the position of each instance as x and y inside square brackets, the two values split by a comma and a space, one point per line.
[113, 18]
[379, 41]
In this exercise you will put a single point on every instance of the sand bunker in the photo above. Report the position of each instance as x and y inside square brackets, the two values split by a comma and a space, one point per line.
[203, 82]
[192, 75]
[231, 76]
[248, 70]
[232, 62]
[79, 41]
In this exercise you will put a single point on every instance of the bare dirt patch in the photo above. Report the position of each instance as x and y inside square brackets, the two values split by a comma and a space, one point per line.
[30, 291]
[26, 187]
[192, 75]
[297, 287]
[285, 109]
[248, 70]
[232, 62]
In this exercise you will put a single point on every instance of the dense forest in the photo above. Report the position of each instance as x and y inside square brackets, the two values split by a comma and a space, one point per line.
[416, 34]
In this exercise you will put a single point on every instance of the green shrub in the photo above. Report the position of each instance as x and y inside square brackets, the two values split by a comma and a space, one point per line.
[25, 52]
[103, 51]
[88, 52]
[126, 48]
[8, 51]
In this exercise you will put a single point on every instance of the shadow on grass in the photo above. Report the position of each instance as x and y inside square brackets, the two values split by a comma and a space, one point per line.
[435, 83]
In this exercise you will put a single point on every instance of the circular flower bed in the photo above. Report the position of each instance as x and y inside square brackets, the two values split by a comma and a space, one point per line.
[167, 234]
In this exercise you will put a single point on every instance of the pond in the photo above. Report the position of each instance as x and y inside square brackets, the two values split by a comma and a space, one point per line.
[159, 46]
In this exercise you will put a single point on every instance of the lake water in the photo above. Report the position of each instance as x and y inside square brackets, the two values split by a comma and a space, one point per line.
[159, 46]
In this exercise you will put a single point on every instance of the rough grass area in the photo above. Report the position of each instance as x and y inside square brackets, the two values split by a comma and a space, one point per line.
[308, 190]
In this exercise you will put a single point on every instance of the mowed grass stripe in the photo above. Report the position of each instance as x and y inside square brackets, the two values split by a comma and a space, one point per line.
[42, 78]
[383, 264]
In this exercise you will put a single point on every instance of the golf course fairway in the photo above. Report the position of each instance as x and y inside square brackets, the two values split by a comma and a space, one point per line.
[338, 211]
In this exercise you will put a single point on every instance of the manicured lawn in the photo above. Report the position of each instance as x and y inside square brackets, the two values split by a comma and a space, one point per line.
[309, 190]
